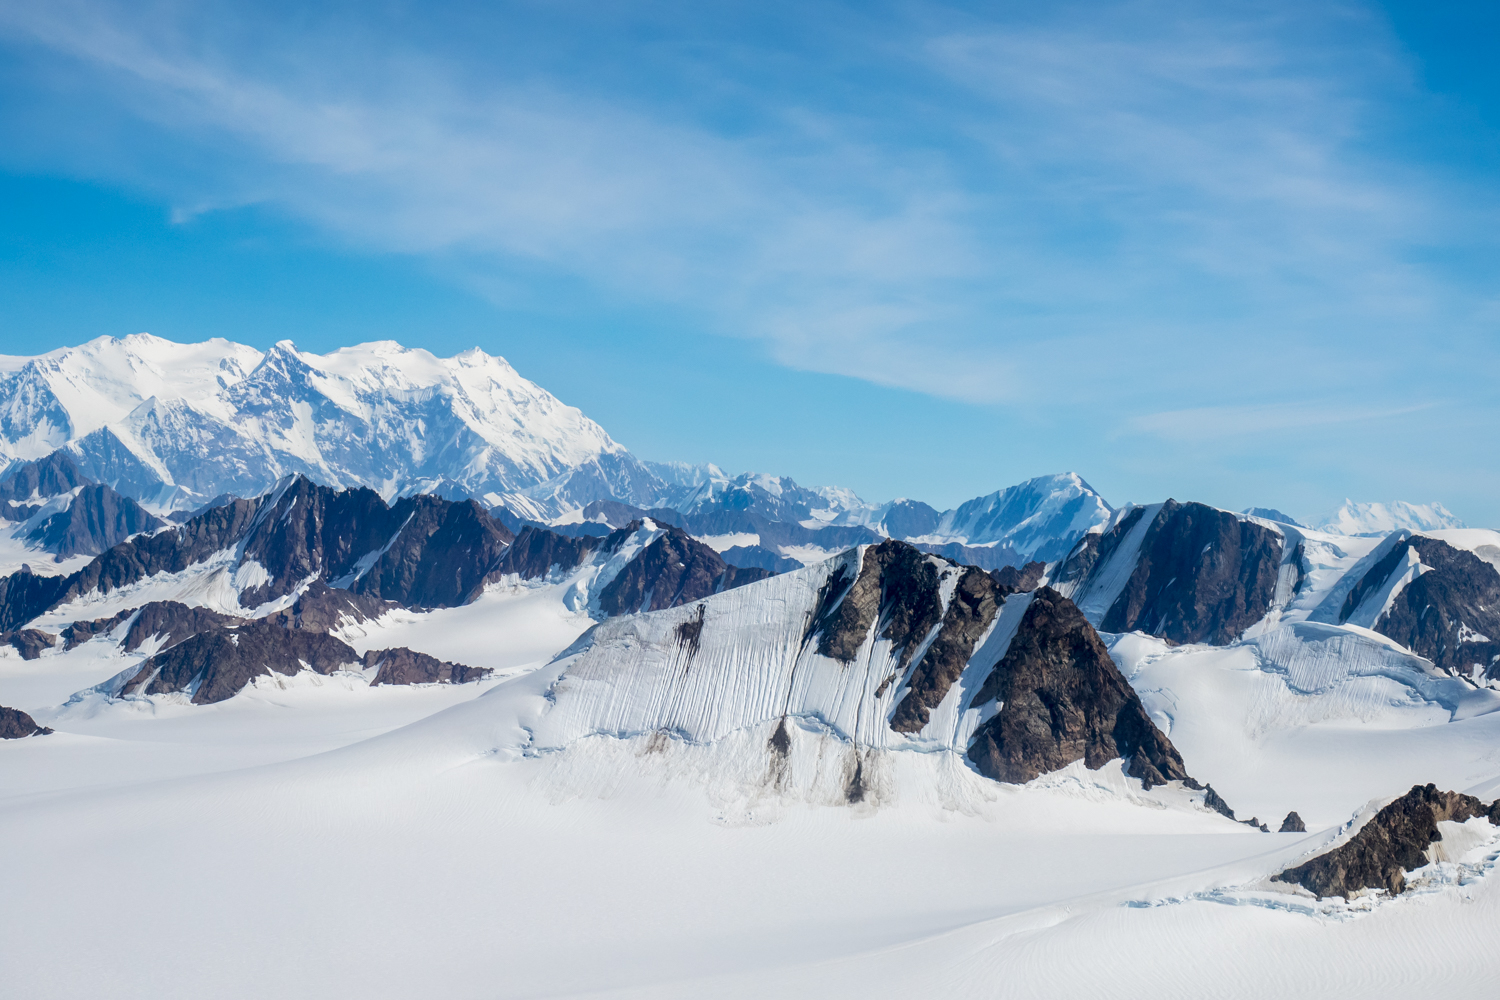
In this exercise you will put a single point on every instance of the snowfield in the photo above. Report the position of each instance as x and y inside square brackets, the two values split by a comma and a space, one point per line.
[604, 817]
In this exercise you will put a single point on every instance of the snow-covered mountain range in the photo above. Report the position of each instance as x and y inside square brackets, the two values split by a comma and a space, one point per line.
[177, 424]
[172, 426]
[465, 629]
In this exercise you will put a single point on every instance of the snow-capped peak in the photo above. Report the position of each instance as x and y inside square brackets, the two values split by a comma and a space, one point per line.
[151, 415]
[1040, 518]
[1382, 518]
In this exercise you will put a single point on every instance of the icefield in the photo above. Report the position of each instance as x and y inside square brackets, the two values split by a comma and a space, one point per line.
[657, 805]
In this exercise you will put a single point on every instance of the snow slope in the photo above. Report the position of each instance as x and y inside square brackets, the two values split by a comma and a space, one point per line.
[1383, 518]
[175, 423]
[406, 842]
[1040, 518]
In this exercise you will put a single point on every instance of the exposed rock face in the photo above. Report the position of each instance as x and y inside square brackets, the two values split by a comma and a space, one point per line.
[1293, 823]
[24, 595]
[46, 477]
[1392, 843]
[79, 633]
[536, 552]
[1450, 614]
[1019, 581]
[1203, 575]
[674, 569]
[322, 608]
[16, 724]
[910, 518]
[96, 520]
[18, 511]
[217, 663]
[1093, 549]
[1063, 699]
[29, 642]
[1213, 800]
[441, 556]
[403, 666]
[970, 612]
[173, 623]
[1272, 514]
[423, 552]
[897, 584]
[169, 551]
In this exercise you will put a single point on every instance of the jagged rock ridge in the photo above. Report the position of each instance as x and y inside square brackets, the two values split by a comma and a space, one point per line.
[886, 646]
[1063, 699]
[218, 662]
[16, 724]
[1394, 842]
[1450, 611]
[1195, 573]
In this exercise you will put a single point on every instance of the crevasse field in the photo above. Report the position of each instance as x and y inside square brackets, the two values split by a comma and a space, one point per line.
[526, 837]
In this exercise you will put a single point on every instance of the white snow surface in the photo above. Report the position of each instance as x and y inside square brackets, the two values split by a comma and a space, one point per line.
[1382, 518]
[609, 822]
[196, 420]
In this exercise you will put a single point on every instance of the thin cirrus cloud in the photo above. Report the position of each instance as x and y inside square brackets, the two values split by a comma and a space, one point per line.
[1216, 423]
[1158, 184]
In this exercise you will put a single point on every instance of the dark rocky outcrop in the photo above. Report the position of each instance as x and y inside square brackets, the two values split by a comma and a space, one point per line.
[18, 511]
[441, 556]
[1392, 843]
[322, 608]
[674, 569]
[423, 552]
[537, 552]
[314, 531]
[1203, 575]
[1213, 800]
[29, 642]
[1292, 824]
[97, 519]
[1063, 699]
[690, 633]
[170, 551]
[404, 666]
[1378, 575]
[16, 724]
[896, 587]
[216, 664]
[81, 632]
[1272, 514]
[24, 595]
[1450, 614]
[1018, 581]
[1094, 549]
[173, 623]
[975, 601]
[909, 519]
[46, 477]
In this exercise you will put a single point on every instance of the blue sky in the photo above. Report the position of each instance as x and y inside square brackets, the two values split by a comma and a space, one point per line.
[1239, 253]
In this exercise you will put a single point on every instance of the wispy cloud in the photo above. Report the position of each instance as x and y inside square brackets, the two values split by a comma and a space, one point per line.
[1216, 423]
[1152, 184]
